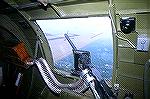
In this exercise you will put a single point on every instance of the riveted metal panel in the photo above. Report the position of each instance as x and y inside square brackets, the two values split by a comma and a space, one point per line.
[126, 54]
[131, 70]
[85, 9]
[128, 84]
[142, 23]
[140, 57]
[131, 4]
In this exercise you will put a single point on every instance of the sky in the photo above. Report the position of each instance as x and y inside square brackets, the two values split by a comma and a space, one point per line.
[80, 26]
[87, 29]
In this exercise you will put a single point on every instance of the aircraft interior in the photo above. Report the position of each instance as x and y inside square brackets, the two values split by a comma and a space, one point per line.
[36, 63]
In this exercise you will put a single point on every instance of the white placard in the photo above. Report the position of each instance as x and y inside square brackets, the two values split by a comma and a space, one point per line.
[142, 43]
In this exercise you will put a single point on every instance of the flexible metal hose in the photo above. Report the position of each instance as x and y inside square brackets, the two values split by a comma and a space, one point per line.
[76, 88]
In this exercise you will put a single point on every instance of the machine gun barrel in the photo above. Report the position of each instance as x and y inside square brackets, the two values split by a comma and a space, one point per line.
[70, 42]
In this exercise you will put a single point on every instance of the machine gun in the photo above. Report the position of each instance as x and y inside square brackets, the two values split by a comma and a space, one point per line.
[82, 58]
[83, 67]
[89, 77]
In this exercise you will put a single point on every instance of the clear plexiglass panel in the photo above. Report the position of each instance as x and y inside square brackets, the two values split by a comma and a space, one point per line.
[92, 34]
